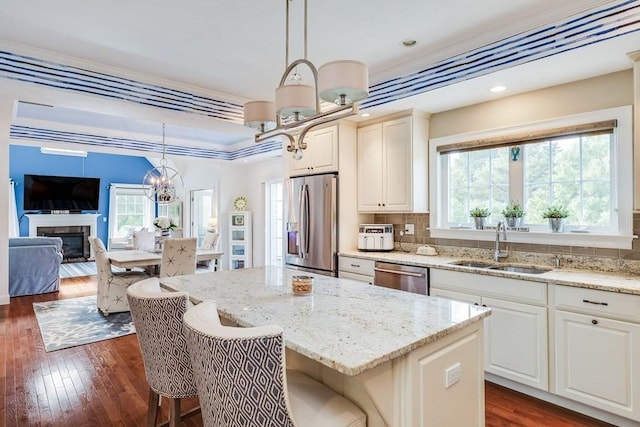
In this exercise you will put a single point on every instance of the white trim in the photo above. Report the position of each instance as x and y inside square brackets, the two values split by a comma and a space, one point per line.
[559, 239]
[622, 167]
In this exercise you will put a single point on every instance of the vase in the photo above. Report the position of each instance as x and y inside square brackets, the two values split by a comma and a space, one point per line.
[479, 222]
[166, 234]
[556, 224]
[513, 222]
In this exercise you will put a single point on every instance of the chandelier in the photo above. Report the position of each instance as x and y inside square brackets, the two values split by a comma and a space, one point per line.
[297, 107]
[163, 184]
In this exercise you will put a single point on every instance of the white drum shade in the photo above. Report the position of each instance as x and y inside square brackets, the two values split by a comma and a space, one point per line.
[260, 115]
[343, 82]
[292, 99]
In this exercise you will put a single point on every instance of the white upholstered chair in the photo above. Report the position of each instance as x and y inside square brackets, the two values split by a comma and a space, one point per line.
[157, 317]
[178, 257]
[241, 378]
[210, 240]
[112, 286]
[144, 240]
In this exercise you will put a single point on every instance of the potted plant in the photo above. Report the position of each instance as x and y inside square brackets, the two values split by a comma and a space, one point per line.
[556, 215]
[479, 216]
[513, 214]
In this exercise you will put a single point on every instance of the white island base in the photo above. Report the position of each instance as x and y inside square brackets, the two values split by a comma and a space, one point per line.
[411, 389]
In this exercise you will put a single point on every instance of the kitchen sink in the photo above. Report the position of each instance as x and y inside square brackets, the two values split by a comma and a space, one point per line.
[526, 269]
[474, 264]
[520, 269]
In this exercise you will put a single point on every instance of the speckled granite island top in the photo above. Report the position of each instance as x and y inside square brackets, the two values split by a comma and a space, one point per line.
[346, 325]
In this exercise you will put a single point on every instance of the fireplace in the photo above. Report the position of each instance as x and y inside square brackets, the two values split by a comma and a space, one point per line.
[75, 241]
[68, 227]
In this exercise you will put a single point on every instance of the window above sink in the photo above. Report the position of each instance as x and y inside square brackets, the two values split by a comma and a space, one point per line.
[586, 171]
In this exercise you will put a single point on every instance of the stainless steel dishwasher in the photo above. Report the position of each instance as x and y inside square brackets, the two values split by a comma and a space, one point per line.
[402, 277]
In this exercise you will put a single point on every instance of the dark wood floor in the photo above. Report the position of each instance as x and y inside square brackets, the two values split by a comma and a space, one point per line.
[103, 384]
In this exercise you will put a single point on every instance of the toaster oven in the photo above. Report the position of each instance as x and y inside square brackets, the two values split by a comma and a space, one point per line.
[375, 237]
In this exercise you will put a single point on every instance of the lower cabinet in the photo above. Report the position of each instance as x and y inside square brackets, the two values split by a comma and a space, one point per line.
[516, 338]
[597, 359]
[356, 269]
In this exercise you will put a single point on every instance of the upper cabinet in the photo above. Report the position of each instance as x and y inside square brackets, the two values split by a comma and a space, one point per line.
[321, 155]
[393, 165]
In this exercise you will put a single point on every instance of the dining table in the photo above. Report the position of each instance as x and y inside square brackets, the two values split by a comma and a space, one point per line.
[138, 258]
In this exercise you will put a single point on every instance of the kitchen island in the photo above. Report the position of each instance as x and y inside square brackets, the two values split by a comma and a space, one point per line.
[405, 359]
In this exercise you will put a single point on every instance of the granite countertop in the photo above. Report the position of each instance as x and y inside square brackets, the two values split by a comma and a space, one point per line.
[346, 325]
[627, 284]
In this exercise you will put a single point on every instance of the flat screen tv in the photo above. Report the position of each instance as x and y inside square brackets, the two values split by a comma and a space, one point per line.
[68, 193]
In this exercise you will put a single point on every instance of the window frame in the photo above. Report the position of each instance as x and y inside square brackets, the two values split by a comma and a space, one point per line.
[137, 189]
[622, 169]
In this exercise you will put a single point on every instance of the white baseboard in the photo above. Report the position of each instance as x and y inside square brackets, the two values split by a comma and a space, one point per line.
[5, 299]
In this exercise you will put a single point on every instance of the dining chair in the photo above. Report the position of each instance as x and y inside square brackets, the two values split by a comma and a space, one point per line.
[178, 257]
[210, 240]
[144, 240]
[157, 317]
[112, 286]
[242, 381]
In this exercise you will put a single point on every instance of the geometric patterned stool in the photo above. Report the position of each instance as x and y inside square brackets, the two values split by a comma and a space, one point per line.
[242, 380]
[157, 317]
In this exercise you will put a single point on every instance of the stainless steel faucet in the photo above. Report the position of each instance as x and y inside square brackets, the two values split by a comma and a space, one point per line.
[497, 254]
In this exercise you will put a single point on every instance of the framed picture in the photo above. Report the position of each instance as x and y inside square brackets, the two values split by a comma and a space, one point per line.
[237, 220]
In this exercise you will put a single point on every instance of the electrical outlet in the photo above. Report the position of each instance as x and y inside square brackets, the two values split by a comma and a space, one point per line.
[409, 228]
[452, 375]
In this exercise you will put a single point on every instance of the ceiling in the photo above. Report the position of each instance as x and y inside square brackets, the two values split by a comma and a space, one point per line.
[236, 50]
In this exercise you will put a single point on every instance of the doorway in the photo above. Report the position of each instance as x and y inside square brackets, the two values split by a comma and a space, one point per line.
[204, 212]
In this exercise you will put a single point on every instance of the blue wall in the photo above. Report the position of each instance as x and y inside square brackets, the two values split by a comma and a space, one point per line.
[110, 168]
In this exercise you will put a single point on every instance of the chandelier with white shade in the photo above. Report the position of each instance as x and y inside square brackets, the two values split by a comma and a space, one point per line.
[163, 184]
[297, 106]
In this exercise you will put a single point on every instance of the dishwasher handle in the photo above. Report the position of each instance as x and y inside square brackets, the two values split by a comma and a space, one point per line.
[399, 272]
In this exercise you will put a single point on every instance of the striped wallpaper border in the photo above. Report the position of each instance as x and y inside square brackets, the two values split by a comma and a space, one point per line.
[593, 26]
[142, 146]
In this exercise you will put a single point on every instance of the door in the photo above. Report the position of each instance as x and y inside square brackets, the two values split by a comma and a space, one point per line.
[516, 342]
[370, 168]
[598, 362]
[311, 227]
[397, 172]
[204, 210]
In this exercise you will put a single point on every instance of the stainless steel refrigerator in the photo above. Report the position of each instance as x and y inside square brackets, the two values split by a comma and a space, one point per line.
[312, 236]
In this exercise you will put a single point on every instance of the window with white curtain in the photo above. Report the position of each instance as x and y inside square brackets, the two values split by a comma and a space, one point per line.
[274, 239]
[129, 208]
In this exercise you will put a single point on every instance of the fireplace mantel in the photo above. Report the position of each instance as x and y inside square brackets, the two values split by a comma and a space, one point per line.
[60, 220]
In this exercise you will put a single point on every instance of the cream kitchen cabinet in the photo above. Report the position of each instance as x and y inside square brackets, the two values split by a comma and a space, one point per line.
[356, 269]
[392, 165]
[597, 349]
[321, 154]
[516, 338]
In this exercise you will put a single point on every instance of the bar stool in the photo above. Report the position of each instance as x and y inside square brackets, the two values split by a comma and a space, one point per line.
[157, 317]
[242, 380]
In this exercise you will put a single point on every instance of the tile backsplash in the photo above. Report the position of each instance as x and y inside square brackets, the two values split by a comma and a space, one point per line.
[598, 259]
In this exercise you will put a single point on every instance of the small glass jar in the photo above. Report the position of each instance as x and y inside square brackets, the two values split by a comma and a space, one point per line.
[302, 285]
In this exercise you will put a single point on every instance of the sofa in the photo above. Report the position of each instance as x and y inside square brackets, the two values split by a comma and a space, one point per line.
[34, 265]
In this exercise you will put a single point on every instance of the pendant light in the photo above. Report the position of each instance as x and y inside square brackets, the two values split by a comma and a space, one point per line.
[163, 184]
[297, 106]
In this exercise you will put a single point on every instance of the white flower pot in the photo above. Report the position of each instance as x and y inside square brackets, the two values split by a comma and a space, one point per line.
[479, 222]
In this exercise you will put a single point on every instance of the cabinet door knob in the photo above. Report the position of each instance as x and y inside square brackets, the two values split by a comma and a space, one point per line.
[475, 303]
[594, 321]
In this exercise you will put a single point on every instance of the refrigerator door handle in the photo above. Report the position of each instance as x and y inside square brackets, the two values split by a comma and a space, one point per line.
[307, 221]
[303, 222]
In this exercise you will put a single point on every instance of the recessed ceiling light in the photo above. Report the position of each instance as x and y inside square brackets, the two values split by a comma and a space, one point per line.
[365, 115]
[496, 89]
[409, 42]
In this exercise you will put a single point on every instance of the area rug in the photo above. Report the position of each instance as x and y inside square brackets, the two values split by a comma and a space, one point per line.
[81, 269]
[76, 321]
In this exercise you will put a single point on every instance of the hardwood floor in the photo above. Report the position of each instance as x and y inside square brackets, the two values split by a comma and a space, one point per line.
[103, 384]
